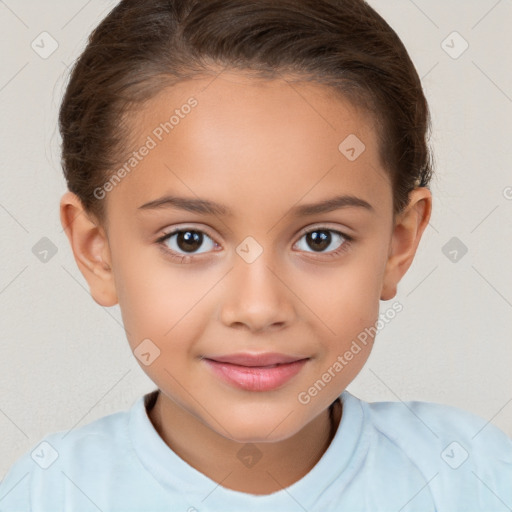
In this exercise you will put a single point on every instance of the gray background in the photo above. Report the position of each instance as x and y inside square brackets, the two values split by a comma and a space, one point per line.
[65, 361]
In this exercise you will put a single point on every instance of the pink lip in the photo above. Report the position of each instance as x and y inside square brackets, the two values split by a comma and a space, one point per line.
[256, 372]
[247, 359]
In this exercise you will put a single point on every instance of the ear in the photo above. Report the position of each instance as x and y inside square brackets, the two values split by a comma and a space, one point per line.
[408, 229]
[90, 247]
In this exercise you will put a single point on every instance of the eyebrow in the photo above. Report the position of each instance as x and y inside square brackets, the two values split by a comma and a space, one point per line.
[207, 207]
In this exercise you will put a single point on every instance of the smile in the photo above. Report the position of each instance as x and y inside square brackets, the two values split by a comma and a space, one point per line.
[256, 373]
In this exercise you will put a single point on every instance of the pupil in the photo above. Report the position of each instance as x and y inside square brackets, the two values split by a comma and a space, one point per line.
[189, 240]
[320, 241]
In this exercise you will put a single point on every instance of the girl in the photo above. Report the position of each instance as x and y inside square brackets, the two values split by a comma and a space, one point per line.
[247, 180]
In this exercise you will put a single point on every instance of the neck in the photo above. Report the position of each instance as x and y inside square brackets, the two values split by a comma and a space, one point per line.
[256, 468]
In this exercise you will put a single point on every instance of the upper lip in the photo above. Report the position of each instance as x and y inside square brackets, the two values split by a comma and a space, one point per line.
[263, 359]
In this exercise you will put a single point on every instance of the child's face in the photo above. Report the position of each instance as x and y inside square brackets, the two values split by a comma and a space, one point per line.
[254, 283]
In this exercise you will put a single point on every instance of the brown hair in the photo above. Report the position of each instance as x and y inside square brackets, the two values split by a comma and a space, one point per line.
[142, 47]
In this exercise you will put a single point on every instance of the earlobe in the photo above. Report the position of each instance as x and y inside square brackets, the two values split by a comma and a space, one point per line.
[90, 249]
[406, 236]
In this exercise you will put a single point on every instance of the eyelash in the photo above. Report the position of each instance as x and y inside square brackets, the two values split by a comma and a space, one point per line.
[187, 257]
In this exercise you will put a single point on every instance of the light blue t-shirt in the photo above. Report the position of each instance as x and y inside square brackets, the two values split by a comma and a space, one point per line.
[385, 456]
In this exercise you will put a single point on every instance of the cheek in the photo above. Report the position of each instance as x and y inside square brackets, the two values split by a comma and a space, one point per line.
[162, 304]
[346, 297]
[149, 303]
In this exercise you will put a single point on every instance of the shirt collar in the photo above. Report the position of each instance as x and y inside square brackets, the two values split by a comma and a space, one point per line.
[339, 463]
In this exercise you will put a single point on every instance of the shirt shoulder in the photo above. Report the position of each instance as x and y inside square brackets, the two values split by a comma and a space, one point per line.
[38, 479]
[414, 422]
[458, 452]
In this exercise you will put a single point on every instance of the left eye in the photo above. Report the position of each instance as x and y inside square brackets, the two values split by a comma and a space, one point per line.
[321, 238]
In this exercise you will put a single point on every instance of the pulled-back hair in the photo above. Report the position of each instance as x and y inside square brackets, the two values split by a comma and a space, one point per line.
[142, 47]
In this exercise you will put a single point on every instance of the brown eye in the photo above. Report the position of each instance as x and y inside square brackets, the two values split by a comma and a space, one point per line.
[189, 240]
[320, 239]
[186, 241]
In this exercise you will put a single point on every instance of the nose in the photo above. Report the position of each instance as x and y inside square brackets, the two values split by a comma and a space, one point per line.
[256, 297]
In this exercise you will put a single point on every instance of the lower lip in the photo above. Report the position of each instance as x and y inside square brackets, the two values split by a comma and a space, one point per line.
[256, 378]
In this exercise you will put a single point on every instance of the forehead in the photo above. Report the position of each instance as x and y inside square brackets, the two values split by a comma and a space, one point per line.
[248, 142]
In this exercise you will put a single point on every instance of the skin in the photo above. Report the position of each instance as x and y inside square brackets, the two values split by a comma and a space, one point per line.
[259, 148]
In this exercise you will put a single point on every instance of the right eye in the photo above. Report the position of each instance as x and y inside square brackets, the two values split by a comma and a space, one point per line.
[186, 240]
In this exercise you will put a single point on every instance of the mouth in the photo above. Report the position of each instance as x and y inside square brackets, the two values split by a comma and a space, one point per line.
[256, 372]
